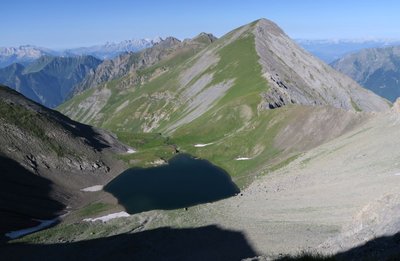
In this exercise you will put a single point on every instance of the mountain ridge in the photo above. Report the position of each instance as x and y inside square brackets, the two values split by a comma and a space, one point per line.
[187, 95]
[127, 63]
[327, 88]
[48, 80]
[110, 50]
[330, 50]
[285, 81]
[293, 134]
[23, 54]
[375, 69]
[51, 155]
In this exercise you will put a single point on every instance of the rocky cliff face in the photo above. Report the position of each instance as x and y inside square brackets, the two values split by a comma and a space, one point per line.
[377, 69]
[296, 77]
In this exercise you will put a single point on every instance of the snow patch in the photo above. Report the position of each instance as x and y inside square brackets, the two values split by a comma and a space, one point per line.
[243, 158]
[200, 145]
[43, 224]
[108, 217]
[130, 151]
[93, 188]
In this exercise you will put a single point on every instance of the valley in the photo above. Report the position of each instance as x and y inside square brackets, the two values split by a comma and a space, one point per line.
[243, 147]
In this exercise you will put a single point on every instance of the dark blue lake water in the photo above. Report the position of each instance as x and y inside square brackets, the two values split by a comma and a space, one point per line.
[184, 182]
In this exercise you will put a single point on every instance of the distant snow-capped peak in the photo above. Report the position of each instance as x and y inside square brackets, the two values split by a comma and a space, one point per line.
[28, 51]
[112, 49]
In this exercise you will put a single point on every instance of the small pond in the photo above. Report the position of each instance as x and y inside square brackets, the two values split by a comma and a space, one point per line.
[183, 182]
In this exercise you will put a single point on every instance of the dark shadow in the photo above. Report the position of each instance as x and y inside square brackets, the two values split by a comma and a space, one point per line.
[91, 136]
[23, 196]
[204, 243]
[381, 248]
[184, 182]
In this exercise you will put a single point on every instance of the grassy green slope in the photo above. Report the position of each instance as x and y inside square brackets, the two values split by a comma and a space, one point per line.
[233, 123]
[142, 99]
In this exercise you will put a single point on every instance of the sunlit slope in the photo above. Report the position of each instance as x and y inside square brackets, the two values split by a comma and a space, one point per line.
[241, 95]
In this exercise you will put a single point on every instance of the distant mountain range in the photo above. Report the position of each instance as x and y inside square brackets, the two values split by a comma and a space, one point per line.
[28, 53]
[48, 76]
[48, 80]
[330, 50]
[377, 69]
[325, 49]
[111, 50]
[23, 54]
[15, 64]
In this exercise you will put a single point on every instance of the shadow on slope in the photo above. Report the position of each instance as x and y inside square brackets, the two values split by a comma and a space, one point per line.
[184, 182]
[204, 243]
[381, 248]
[23, 196]
[16, 107]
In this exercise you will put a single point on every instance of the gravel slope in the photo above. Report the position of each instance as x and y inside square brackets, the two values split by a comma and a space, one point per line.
[331, 198]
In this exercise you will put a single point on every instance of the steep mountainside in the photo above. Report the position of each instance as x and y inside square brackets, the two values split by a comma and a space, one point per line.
[314, 154]
[225, 95]
[257, 61]
[22, 54]
[296, 77]
[377, 69]
[45, 159]
[131, 62]
[48, 80]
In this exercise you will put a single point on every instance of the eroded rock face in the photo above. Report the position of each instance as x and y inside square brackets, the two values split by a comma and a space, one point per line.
[130, 62]
[45, 158]
[296, 77]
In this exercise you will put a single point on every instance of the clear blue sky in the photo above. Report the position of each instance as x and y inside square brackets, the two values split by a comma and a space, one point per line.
[72, 23]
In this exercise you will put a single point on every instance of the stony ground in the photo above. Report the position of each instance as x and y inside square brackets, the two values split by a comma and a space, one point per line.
[334, 197]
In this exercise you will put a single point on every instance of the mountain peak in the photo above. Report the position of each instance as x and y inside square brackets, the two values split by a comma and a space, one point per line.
[168, 42]
[268, 26]
[296, 77]
[204, 38]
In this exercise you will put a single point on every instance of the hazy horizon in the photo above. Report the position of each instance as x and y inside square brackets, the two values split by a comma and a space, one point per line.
[68, 24]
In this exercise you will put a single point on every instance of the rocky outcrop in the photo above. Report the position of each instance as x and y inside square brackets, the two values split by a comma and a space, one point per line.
[131, 62]
[296, 77]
